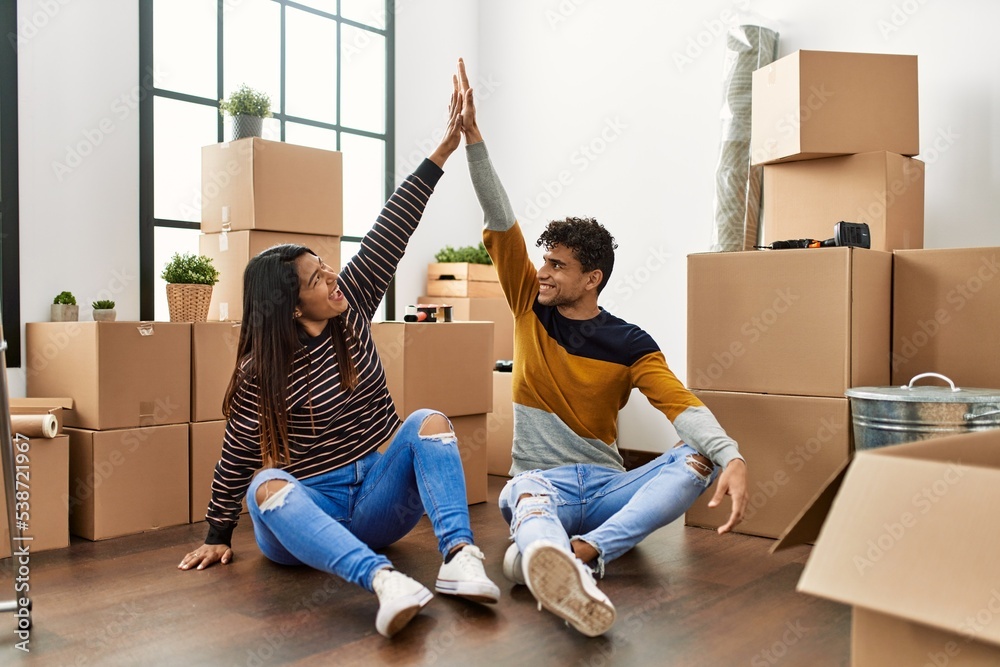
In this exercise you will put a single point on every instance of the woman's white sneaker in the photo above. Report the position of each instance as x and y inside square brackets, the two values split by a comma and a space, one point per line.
[464, 576]
[399, 600]
[565, 586]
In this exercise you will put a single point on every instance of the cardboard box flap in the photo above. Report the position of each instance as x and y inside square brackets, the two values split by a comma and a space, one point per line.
[904, 536]
[40, 403]
[806, 527]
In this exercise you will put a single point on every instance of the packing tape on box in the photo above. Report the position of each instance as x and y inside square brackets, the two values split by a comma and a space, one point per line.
[35, 426]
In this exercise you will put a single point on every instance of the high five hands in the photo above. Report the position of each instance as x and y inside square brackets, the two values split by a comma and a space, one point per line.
[469, 127]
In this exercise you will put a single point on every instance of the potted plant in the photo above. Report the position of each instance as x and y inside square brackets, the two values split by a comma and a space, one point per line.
[64, 308]
[249, 108]
[104, 310]
[190, 279]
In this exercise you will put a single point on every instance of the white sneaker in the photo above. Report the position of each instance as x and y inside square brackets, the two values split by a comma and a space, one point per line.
[465, 576]
[399, 600]
[565, 586]
[512, 565]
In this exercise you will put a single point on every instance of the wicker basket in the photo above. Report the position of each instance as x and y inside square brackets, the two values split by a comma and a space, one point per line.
[188, 303]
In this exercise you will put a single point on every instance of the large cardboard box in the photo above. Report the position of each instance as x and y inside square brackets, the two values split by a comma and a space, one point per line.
[483, 309]
[804, 200]
[119, 374]
[205, 450]
[441, 365]
[127, 481]
[792, 445]
[904, 544]
[471, 431]
[813, 104]
[232, 251]
[213, 359]
[500, 425]
[271, 185]
[42, 470]
[462, 279]
[946, 312]
[808, 322]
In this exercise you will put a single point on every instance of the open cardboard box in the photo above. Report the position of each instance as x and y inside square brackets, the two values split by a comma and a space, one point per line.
[907, 542]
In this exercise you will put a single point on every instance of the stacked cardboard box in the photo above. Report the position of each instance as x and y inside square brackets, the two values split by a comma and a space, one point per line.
[213, 359]
[444, 366]
[836, 133]
[258, 193]
[128, 436]
[774, 340]
[500, 426]
[42, 475]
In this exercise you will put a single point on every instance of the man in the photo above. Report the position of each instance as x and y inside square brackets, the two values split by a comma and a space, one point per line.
[571, 502]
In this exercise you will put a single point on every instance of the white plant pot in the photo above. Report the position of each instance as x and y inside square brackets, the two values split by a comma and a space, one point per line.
[63, 312]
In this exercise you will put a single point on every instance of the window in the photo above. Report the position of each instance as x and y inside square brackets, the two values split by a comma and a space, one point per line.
[10, 283]
[327, 66]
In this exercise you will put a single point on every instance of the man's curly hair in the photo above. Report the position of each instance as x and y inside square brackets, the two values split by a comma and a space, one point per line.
[592, 244]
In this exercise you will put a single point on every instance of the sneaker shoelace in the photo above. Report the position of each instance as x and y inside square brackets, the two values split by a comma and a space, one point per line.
[466, 561]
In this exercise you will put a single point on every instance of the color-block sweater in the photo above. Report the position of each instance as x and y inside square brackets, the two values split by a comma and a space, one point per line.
[572, 377]
[327, 426]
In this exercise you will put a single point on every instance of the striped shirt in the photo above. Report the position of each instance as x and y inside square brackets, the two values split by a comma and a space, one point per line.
[327, 427]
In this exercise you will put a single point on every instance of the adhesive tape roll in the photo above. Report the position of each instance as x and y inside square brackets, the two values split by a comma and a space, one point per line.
[35, 426]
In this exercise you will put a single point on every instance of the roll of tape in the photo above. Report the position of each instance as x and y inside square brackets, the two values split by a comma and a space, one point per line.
[35, 426]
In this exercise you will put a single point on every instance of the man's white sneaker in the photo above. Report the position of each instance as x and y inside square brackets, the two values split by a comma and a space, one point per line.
[399, 600]
[565, 586]
[512, 565]
[464, 576]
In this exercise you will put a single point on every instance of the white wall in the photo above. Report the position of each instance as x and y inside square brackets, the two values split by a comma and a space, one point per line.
[640, 82]
[553, 77]
[78, 126]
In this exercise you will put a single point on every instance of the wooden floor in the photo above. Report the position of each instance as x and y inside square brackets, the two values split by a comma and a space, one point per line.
[685, 596]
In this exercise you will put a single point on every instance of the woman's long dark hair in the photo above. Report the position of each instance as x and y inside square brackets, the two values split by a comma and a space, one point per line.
[269, 341]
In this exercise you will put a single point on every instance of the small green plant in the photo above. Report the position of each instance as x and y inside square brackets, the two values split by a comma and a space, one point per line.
[103, 304]
[248, 102]
[190, 269]
[65, 298]
[470, 254]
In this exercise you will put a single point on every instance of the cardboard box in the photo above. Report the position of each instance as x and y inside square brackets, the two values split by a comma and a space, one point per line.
[443, 365]
[204, 450]
[813, 104]
[946, 306]
[484, 309]
[213, 359]
[271, 185]
[804, 200]
[809, 322]
[904, 544]
[46, 479]
[462, 279]
[232, 251]
[500, 425]
[471, 431]
[788, 459]
[119, 374]
[128, 481]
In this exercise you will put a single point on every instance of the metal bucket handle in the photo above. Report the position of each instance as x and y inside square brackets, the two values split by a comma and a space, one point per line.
[928, 375]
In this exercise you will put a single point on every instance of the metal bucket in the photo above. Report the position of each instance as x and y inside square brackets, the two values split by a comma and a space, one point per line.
[894, 415]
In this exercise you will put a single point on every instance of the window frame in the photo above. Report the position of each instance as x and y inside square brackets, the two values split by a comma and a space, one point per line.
[9, 227]
[148, 222]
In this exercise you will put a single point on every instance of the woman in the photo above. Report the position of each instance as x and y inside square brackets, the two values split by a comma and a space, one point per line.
[308, 404]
